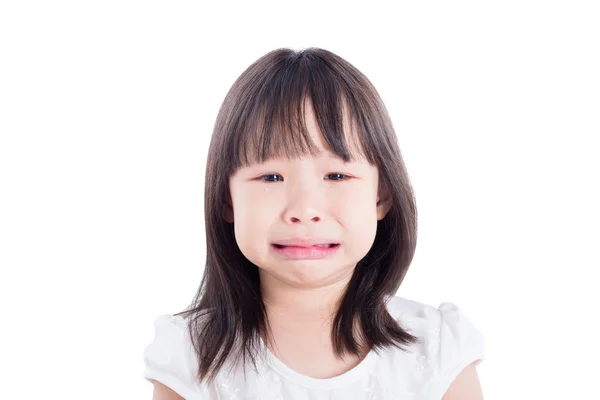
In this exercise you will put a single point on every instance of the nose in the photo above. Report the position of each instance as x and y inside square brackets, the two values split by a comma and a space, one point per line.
[308, 215]
[305, 204]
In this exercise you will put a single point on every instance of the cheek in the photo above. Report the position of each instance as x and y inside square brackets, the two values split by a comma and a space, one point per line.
[250, 238]
[358, 208]
[359, 217]
[251, 226]
[257, 208]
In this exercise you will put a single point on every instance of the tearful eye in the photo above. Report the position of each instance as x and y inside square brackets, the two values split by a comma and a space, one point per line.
[337, 177]
[336, 174]
[268, 180]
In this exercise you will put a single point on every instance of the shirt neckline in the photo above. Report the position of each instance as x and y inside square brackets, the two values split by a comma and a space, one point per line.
[360, 370]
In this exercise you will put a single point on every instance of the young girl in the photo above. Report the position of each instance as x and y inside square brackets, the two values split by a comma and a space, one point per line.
[311, 227]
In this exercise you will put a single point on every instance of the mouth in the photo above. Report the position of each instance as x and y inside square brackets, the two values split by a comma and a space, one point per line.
[315, 252]
[326, 246]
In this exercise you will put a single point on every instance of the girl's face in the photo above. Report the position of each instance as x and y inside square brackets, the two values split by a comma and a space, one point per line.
[319, 198]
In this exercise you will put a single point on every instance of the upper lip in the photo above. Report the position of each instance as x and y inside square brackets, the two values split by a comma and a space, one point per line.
[306, 242]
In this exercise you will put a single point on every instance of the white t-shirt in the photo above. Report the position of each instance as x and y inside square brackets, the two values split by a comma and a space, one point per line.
[450, 342]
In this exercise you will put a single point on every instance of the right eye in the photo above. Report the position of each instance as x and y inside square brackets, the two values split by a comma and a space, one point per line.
[268, 180]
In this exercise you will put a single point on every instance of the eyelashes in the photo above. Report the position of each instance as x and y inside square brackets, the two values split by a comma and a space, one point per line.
[340, 177]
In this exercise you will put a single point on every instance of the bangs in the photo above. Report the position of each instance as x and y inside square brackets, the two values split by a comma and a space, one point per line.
[273, 113]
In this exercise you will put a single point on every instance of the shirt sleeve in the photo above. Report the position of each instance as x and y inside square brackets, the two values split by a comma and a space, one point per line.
[460, 344]
[170, 358]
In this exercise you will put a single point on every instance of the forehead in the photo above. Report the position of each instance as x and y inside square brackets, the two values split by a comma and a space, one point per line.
[320, 140]
[303, 137]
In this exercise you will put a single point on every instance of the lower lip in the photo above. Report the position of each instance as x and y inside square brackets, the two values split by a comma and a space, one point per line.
[305, 253]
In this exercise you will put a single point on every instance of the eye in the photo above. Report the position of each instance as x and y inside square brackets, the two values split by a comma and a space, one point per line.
[337, 177]
[267, 180]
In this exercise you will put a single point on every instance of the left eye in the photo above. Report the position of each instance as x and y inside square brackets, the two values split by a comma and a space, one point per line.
[339, 175]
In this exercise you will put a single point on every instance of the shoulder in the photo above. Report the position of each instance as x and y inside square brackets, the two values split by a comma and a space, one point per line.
[450, 342]
[170, 358]
[416, 317]
[170, 333]
[422, 318]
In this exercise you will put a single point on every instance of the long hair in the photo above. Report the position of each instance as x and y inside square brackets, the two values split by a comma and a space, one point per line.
[262, 116]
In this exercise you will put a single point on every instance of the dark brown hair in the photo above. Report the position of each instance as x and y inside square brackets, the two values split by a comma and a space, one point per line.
[263, 116]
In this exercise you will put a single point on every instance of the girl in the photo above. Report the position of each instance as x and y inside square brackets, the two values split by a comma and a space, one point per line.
[311, 227]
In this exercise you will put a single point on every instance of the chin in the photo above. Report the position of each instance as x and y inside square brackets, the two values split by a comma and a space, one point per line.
[310, 274]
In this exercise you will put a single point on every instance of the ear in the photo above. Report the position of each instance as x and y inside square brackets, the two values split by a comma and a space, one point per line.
[227, 210]
[228, 213]
[384, 203]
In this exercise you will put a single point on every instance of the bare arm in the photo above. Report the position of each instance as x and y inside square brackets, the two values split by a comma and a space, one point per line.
[162, 392]
[466, 386]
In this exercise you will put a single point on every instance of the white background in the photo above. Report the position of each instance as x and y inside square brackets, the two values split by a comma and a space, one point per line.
[106, 111]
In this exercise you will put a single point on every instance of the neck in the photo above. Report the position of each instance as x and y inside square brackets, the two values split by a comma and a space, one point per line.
[300, 319]
[303, 304]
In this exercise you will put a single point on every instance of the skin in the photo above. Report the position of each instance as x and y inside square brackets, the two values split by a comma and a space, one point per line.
[284, 199]
[466, 386]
